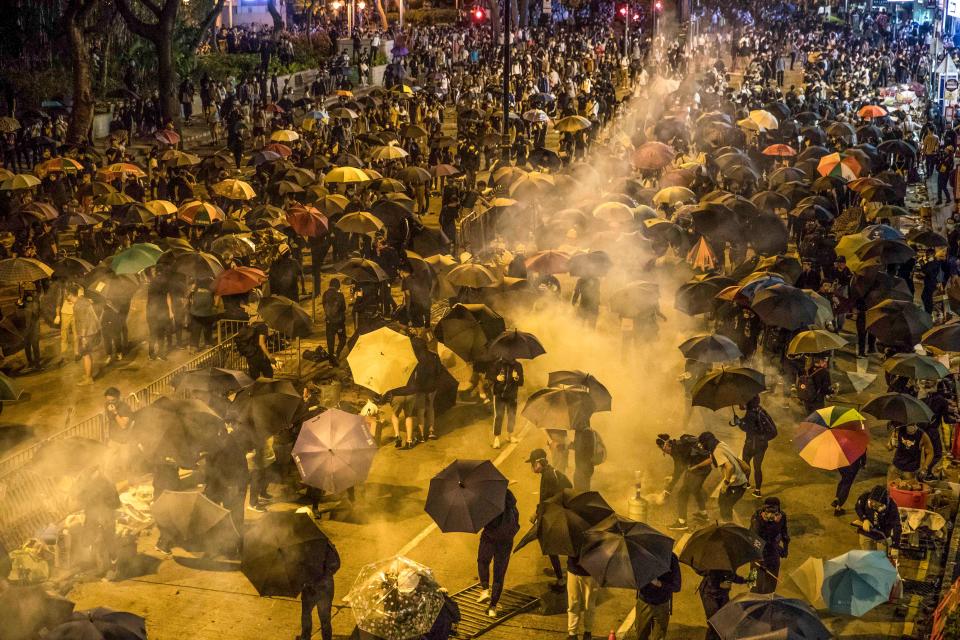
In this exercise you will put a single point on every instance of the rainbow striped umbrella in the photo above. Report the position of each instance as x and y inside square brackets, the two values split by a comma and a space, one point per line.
[832, 437]
[840, 165]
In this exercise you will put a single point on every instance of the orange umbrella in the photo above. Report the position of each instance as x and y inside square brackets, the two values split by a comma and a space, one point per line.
[701, 257]
[58, 165]
[199, 212]
[780, 151]
[651, 156]
[840, 165]
[120, 170]
[307, 221]
[238, 280]
[281, 150]
[860, 184]
[871, 111]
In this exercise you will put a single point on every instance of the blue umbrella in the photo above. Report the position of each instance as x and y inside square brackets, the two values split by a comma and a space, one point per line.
[857, 581]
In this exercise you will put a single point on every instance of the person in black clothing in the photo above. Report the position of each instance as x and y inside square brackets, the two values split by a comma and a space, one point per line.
[879, 519]
[815, 385]
[496, 543]
[252, 342]
[416, 295]
[335, 319]
[942, 408]
[552, 482]
[655, 603]
[29, 308]
[507, 380]
[912, 452]
[159, 316]
[318, 593]
[760, 429]
[285, 275]
[809, 277]
[769, 523]
[584, 449]
[932, 271]
[442, 628]
[691, 466]
[227, 475]
[714, 590]
[847, 475]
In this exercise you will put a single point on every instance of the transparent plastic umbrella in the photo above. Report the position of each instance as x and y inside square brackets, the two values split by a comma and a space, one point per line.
[395, 599]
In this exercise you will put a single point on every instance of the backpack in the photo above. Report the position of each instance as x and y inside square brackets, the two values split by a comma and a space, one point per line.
[767, 426]
[599, 449]
[506, 525]
[246, 341]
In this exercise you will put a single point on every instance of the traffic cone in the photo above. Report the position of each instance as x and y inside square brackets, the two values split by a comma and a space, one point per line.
[612, 636]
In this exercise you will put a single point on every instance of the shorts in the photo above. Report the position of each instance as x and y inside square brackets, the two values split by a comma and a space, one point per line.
[86, 345]
[403, 406]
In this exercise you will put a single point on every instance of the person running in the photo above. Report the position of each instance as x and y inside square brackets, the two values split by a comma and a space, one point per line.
[691, 466]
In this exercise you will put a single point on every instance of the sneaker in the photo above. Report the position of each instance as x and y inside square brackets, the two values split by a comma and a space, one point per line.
[492, 612]
[756, 493]
[835, 503]
[839, 511]
[484, 595]
[257, 507]
[431, 436]
[701, 515]
[398, 443]
[679, 525]
[496, 442]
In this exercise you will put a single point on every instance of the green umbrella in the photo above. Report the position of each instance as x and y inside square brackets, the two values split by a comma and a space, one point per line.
[136, 258]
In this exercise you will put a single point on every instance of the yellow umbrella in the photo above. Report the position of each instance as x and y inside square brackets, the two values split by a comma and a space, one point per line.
[749, 125]
[502, 202]
[388, 152]
[805, 582]
[764, 118]
[673, 195]
[234, 189]
[572, 124]
[284, 135]
[613, 212]
[359, 222]
[177, 158]
[58, 165]
[121, 170]
[848, 247]
[6, 174]
[508, 175]
[19, 182]
[114, 199]
[161, 207]
[382, 360]
[404, 89]
[346, 175]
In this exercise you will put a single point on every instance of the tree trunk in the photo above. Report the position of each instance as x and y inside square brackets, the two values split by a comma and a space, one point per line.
[514, 14]
[166, 75]
[383, 15]
[524, 8]
[81, 115]
[495, 23]
[208, 22]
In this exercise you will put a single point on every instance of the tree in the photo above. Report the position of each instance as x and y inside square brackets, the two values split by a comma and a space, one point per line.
[383, 15]
[160, 34]
[205, 24]
[81, 116]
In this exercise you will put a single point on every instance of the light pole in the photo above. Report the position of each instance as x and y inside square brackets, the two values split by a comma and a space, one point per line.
[505, 128]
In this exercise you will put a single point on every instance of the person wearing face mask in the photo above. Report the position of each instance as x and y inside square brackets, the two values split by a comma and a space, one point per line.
[769, 523]
[879, 520]
[912, 450]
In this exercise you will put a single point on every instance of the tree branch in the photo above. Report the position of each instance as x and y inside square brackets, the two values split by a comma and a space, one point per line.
[136, 25]
[154, 7]
[206, 23]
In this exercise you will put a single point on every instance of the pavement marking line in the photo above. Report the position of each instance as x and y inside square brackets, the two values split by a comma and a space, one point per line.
[430, 528]
[627, 622]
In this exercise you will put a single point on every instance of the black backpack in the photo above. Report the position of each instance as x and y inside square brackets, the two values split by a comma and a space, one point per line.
[246, 341]
[506, 525]
[767, 426]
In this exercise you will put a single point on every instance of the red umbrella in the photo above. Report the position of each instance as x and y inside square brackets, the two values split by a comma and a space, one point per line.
[167, 136]
[281, 150]
[307, 221]
[780, 151]
[654, 155]
[238, 280]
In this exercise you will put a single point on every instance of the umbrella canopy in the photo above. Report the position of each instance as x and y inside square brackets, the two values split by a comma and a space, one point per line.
[197, 265]
[857, 581]
[467, 330]
[307, 221]
[898, 407]
[831, 438]
[466, 495]
[709, 348]
[917, 367]
[101, 624]
[190, 516]
[944, 338]
[17, 270]
[754, 614]
[727, 387]
[395, 599]
[25, 610]
[471, 275]
[805, 581]
[234, 189]
[560, 408]
[815, 341]
[176, 428]
[278, 551]
[602, 400]
[382, 360]
[564, 519]
[697, 296]
[286, 316]
[548, 262]
[334, 451]
[136, 258]
[516, 345]
[572, 124]
[781, 305]
[238, 280]
[841, 165]
[619, 552]
[721, 547]
[213, 380]
[898, 322]
[361, 222]
[267, 405]
[362, 271]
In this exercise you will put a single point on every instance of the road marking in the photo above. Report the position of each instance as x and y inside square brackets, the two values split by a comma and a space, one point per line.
[627, 622]
[430, 528]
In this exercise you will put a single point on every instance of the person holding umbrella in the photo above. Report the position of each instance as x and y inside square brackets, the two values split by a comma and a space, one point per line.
[335, 319]
[760, 429]
[507, 380]
[581, 599]
[691, 463]
[318, 593]
[769, 523]
[655, 603]
[496, 543]
[879, 519]
[714, 590]
[552, 482]
[733, 483]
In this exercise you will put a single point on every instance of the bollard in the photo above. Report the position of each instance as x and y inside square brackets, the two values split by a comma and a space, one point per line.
[613, 635]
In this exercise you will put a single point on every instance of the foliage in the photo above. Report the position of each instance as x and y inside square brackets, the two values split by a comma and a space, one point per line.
[33, 87]
[425, 16]
[951, 628]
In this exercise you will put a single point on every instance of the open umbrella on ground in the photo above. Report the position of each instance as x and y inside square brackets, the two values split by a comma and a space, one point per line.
[516, 345]
[382, 360]
[471, 275]
[805, 581]
[26, 610]
[466, 495]
[467, 330]
[560, 408]
[267, 405]
[602, 400]
[286, 316]
[238, 280]
[101, 624]
[753, 614]
[727, 387]
[832, 437]
[395, 599]
[564, 519]
[898, 407]
[857, 581]
[624, 553]
[915, 366]
[898, 322]
[721, 547]
[334, 451]
[213, 380]
[709, 348]
[277, 552]
[189, 517]
[815, 341]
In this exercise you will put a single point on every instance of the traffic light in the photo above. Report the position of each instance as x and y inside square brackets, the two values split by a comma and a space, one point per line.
[623, 10]
[478, 14]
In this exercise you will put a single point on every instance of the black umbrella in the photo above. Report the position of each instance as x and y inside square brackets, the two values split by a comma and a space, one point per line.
[467, 330]
[362, 271]
[915, 366]
[71, 267]
[602, 400]
[898, 322]
[756, 614]
[101, 624]
[721, 547]
[560, 408]
[213, 380]
[710, 348]
[563, 520]
[516, 345]
[770, 200]
[619, 552]
[945, 337]
[466, 496]
[197, 265]
[727, 388]
[781, 305]
[698, 295]
[25, 610]
[189, 517]
[636, 299]
[923, 237]
[279, 552]
[176, 428]
[898, 407]
[267, 405]
[887, 251]
[286, 316]
[592, 264]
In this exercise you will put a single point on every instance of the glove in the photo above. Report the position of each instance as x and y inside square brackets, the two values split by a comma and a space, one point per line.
[865, 525]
